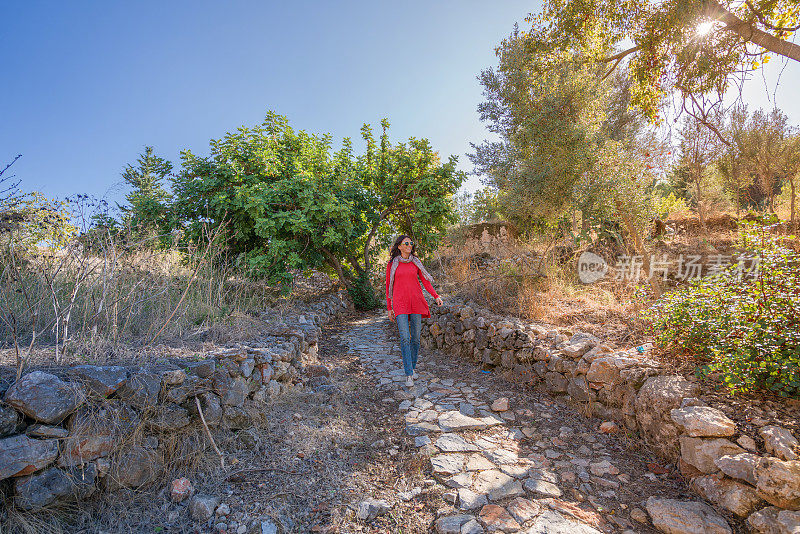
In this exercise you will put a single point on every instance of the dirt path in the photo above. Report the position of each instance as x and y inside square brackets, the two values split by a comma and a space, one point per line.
[437, 455]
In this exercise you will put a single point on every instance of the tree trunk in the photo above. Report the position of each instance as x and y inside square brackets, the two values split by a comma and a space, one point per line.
[791, 205]
[700, 213]
[638, 244]
[334, 263]
[755, 35]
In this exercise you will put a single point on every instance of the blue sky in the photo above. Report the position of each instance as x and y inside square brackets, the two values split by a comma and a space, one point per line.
[86, 85]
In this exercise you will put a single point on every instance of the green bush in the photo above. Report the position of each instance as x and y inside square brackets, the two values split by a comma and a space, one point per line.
[362, 293]
[744, 328]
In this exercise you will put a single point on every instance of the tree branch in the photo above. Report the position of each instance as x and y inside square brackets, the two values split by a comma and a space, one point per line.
[748, 32]
[765, 23]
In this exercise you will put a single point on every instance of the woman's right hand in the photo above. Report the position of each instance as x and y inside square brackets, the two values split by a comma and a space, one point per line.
[391, 315]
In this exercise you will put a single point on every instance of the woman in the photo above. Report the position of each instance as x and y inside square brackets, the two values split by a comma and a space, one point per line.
[404, 300]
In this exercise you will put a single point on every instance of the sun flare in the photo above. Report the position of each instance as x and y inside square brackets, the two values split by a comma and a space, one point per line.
[705, 27]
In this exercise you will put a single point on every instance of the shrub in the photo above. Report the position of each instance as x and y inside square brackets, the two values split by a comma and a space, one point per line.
[746, 328]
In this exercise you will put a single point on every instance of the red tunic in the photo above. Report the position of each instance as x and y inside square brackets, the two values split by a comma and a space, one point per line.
[407, 293]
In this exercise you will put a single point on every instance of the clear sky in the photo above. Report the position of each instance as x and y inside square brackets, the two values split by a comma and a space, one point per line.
[86, 85]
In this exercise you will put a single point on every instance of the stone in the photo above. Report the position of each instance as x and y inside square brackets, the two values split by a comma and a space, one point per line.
[454, 421]
[169, 418]
[576, 350]
[789, 521]
[551, 522]
[685, 517]
[450, 497]
[223, 509]
[46, 431]
[523, 510]
[497, 485]
[141, 389]
[765, 521]
[470, 500]
[478, 462]
[21, 455]
[746, 442]
[639, 515]
[451, 524]
[778, 482]
[460, 480]
[234, 392]
[472, 527]
[466, 408]
[609, 427]
[556, 383]
[495, 518]
[735, 497]
[579, 390]
[656, 399]
[740, 466]
[53, 484]
[236, 418]
[9, 418]
[542, 487]
[100, 380]
[501, 456]
[175, 377]
[779, 442]
[602, 468]
[134, 468]
[201, 507]
[416, 429]
[421, 441]
[703, 421]
[44, 397]
[180, 489]
[701, 453]
[454, 443]
[501, 405]
[369, 509]
[604, 370]
[211, 406]
[447, 464]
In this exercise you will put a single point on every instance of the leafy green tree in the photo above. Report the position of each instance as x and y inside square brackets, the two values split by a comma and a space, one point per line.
[292, 203]
[693, 47]
[145, 215]
[700, 148]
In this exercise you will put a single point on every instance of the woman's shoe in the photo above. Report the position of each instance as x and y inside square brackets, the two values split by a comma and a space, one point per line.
[415, 375]
[409, 382]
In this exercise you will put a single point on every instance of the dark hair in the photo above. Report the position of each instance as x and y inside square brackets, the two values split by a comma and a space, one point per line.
[395, 248]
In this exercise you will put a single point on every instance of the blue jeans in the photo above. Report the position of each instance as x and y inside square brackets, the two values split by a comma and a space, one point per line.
[409, 326]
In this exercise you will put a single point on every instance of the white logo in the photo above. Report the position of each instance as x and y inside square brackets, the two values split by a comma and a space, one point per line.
[591, 268]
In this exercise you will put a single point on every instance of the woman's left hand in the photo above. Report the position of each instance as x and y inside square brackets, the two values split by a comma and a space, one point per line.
[439, 301]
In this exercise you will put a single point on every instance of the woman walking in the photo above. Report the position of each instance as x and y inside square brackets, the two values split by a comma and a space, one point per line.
[404, 300]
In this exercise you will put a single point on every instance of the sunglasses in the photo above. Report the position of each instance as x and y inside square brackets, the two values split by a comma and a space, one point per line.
[408, 243]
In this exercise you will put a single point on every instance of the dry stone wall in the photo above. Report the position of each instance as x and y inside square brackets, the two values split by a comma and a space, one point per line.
[632, 390]
[69, 433]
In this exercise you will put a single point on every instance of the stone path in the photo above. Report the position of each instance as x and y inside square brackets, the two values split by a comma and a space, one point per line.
[506, 462]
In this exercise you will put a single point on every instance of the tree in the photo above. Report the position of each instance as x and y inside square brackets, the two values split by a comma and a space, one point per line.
[699, 150]
[293, 204]
[146, 213]
[694, 47]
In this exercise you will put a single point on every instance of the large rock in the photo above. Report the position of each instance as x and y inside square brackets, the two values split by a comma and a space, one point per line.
[211, 406]
[201, 507]
[21, 455]
[703, 421]
[780, 442]
[773, 520]
[454, 421]
[656, 399]
[740, 466]
[497, 485]
[496, 519]
[604, 370]
[702, 453]
[100, 380]
[141, 389]
[551, 522]
[728, 494]
[134, 468]
[451, 524]
[369, 509]
[9, 418]
[685, 517]
[169, 418]
[447, 464]
[46, 487]
[45, 397]
[778, 482]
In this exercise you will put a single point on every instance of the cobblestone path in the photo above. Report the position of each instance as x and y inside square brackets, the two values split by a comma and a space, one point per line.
[506, 458]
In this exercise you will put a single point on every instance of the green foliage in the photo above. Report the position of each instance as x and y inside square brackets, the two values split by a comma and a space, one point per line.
[568, 141]
[38, 221]
[692, 47]
[291, 203]
[146, 215]
[362, 294]
[747, 329]
[663, 206]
